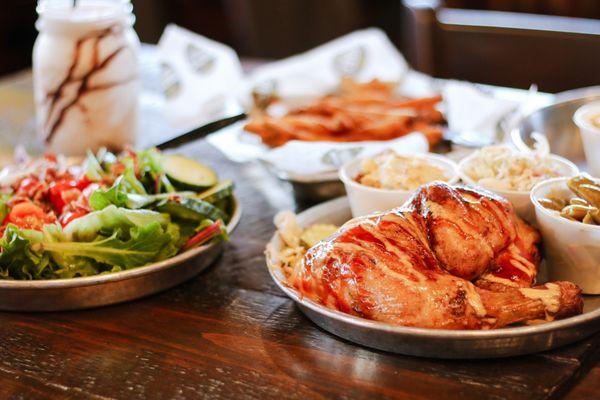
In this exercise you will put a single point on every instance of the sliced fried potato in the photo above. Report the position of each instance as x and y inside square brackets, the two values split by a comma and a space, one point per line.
[316, 233]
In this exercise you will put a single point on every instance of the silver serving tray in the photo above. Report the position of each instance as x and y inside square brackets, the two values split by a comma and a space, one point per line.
[118, 287]
[434, 343]
[555, 121]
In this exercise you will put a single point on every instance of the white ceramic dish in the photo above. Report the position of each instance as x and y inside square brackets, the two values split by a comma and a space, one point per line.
[572, 249]
[590, 134]
[366, 200]
[520, 200]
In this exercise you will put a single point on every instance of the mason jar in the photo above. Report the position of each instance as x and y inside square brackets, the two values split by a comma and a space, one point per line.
[85, 75]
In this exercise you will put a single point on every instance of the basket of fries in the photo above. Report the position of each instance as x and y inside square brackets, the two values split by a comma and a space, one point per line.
[369, 111]
[365, 112]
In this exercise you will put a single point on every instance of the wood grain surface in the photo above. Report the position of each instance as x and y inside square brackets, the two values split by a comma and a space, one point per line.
[231, 334]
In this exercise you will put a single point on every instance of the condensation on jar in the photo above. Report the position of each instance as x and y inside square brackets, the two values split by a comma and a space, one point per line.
[85, 74]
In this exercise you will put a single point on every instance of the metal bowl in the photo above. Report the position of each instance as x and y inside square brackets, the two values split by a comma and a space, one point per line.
[556, 123]
[112, 288]
[436, 343]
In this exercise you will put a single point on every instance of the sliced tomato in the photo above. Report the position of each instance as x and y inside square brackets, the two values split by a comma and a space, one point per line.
[70, 216]
[61, 193]
[55, 195]
[117, 169]
[84, 182]
[29, 216]
[28, 183]
[50, 157]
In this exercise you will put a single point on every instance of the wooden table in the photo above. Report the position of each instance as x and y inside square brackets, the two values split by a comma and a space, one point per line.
[230, 333]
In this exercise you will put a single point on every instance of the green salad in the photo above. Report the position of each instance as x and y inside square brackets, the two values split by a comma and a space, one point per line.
[109, 213]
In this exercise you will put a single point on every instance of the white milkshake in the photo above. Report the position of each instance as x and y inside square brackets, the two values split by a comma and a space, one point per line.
[85, 75]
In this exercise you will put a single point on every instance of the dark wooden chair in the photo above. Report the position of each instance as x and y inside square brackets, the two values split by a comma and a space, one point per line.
[502, 48]
[17, 33]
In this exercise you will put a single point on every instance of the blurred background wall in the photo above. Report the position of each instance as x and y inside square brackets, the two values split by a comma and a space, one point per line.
[268, 28]
[453, 38]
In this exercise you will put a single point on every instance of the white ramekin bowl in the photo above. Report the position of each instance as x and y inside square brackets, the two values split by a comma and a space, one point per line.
[365, 200]
[520, 200]
[590, 135]
[571, 248]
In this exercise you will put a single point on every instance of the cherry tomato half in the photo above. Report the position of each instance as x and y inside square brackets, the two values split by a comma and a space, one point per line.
[61, 193]
[28, 216]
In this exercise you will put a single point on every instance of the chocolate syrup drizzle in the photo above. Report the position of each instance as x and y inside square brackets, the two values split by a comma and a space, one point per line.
[54, 97]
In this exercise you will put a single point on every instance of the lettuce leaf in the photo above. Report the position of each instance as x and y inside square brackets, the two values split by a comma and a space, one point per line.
[93, 169]
[143, 174]
[141, 245]
[98, 166]
[102, 198]
[18, 260]
[152, 173]
[150, 162]
[130, 182]
[109, 219]
[137, 237]
[118, 196]
[4, 198]
[65, 266]
[112, 239]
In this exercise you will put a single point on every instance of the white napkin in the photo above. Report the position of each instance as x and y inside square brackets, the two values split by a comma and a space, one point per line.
[211, 85]
[472, 113]
[201, 77]
[304, 159]
[363, 55]
[416, 84]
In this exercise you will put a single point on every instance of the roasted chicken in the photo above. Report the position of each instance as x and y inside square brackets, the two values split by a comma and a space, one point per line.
[450, 258]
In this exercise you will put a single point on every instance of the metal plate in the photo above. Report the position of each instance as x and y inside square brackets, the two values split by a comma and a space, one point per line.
[102, 290]
[435, 343]
[326, 186]
[556, 123]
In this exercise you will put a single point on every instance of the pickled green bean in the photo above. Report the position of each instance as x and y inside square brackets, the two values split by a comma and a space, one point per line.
[584, 206]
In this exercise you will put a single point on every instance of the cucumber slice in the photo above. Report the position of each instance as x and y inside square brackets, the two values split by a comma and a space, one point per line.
[185, 173]
[225, 205]
[190, 209]
[219, 192]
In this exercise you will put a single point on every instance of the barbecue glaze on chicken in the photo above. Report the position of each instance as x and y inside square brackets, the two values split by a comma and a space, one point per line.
[451, 258]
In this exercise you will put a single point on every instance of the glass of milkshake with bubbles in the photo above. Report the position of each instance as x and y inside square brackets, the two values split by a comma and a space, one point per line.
[85, 74]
